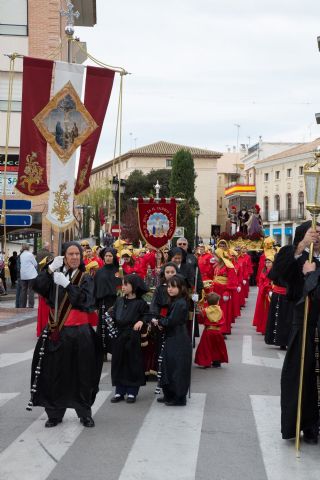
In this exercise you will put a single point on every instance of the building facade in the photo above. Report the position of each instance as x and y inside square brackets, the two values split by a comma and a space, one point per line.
[281, 190]
[34, 28]
[158, 156]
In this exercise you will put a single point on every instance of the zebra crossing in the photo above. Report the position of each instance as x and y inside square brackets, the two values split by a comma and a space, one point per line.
[229, 428]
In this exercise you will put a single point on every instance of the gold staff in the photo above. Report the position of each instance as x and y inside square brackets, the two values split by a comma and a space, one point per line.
[311, 173]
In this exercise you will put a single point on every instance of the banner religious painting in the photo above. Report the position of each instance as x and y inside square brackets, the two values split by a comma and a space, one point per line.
[157, 220]
[65, 122]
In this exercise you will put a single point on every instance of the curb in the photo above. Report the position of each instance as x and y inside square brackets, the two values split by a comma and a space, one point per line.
[17, 323]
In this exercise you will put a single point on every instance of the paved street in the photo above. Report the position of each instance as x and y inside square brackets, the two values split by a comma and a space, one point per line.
[229, 429]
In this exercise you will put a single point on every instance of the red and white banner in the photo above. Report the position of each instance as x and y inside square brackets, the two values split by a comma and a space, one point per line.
[99, 82]
[65, 123]
[157, 221]
[32, 174]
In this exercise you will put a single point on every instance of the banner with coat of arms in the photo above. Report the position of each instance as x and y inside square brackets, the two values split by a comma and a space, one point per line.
[157, 220]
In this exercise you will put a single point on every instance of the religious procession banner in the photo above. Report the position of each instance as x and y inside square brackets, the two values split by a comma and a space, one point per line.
[99, 82]
[64, 123]
[36, 86]
[157, 220]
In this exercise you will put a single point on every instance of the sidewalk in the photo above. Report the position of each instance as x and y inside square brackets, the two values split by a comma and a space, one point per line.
[11, 317]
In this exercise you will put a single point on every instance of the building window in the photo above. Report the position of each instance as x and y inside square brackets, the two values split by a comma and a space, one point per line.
[14, 17]
[289, 206]
[277, 175]
[277, 203]
[266, 208]
[266, 177]
[301, 204]
[289, 172]
[300, 170]
[168, 162]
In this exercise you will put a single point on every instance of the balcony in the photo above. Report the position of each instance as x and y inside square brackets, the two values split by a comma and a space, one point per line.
[293, 215]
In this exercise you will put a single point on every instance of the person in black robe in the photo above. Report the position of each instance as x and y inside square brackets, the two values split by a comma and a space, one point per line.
[281, 308]
[159, 308]
[129, 314]
[179, 256]
[301, 281]
[71, 363]
[107, 281]
[177, 351]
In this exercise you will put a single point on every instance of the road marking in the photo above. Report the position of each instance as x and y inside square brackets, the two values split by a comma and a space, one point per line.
[39, 449]
[5, 397]
[7, 359]
[279, 455]
[249, 359]
[167, 444]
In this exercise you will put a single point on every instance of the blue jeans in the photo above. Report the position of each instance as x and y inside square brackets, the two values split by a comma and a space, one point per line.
[124, 389]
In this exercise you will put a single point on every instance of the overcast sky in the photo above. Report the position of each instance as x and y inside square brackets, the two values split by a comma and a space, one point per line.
[201, 66]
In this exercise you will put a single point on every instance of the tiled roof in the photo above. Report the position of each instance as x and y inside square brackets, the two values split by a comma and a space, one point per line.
[166, 148]
[297, 150]
[161, 148]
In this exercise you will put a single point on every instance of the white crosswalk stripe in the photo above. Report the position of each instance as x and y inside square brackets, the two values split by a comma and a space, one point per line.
[279, 455]
[249, 359]
[170, 433]
[8, 359]
[39, 449]
[5, 397]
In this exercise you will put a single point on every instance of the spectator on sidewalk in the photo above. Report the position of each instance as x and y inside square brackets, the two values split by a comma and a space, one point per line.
[43, 252]
[12, 264]
[28, 272]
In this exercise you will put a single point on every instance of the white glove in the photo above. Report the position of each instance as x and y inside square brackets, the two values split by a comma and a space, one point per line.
[56, 264]
[270, 294]
[238, 289]
[60, 279]
[225, 298]
[195, 297]
[244, 282]
[212, 260]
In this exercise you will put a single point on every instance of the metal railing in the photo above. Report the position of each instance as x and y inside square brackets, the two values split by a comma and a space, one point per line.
[293, 215]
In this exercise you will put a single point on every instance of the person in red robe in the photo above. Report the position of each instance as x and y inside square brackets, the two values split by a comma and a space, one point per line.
[246, 268]
[212, 350]
[263, 300]
[224, 283]
[268, 249]
[43, 307]
[206, 263]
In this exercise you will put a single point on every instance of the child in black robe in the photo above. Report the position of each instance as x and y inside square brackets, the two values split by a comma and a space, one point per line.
[176, 363]
[127, 368]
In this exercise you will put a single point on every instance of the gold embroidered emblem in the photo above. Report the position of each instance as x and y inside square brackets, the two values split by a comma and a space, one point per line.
[83, 173]
[33, 173]
[61, 205]
[65, 122]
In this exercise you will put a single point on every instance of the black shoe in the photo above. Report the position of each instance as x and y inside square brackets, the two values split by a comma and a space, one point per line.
[87, 421]
[131, 399]
[52, 422]
[176, 403]
[117, 398]
[161, 400]
[216, 364]
[310, 435]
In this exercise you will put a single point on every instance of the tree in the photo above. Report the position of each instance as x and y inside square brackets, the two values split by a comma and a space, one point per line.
[96, 196]
[130, 227]
[139, 184]
[182, 184]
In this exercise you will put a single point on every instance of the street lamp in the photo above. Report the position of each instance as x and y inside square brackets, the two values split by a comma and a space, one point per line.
[197, 213]
[311, 172]
[118, 187]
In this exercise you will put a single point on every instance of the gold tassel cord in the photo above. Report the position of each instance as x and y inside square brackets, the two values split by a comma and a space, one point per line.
[99, 62]
[10, 90]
